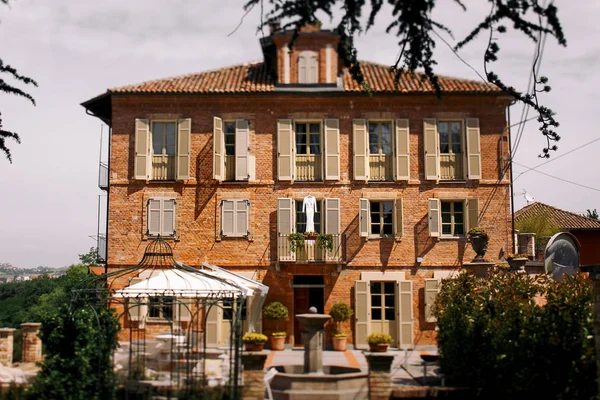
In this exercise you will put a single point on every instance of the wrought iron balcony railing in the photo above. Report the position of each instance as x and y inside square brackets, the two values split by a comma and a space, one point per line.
[311, 252]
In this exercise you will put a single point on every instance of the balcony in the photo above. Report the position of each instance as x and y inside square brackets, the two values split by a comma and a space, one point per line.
[103, 176]
[163, 167]
[380, 167]
[310, 252]
[451, 166]
[308, 167]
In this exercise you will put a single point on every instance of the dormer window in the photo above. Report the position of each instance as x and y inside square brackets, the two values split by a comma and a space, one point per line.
[308, 67]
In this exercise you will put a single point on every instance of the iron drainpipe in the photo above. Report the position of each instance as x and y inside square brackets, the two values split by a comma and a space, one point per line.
[108, 193]
[512, 195]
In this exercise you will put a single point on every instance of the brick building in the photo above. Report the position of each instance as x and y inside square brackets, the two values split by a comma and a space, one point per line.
[219, 162]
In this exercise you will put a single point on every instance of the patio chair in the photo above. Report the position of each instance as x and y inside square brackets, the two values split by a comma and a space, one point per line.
[268, 378]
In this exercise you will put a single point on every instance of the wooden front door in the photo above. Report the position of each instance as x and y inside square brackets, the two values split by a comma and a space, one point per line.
[304, 298]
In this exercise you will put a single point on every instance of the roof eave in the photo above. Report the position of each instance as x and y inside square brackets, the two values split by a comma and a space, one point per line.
[100, 107]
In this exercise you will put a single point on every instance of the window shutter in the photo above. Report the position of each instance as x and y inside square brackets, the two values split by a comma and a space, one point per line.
[218, 150]
[302, 73]
[214, 316]
[228, 217]
[404, 297]
[434, 217]
[402, 150]
[364, 218]
[168, 217]
[183, 148]
[153, 227]
[362, 306]
[285, 145]
[432, 149]
[185, 309]
[473, 149]
[241, 218]
[431, 292]
[473, 210]
[332, 149]
[142, 149]
[359, 143]
[313, 69]
[242, 147]
[332, 216]
[285, 221]
[398, 218]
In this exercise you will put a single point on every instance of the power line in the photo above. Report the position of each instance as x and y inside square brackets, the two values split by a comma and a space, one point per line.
[556, 158]
[560, 179]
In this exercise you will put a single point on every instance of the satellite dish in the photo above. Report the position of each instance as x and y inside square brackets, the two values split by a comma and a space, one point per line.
[561, 256]
[528, 198]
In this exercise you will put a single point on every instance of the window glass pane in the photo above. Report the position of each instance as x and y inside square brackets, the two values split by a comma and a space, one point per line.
[390, 314]
[167, 308]
[444, 146]
[156, 143]
[315, 141]
[459, 229]
[447, 229]
[300, 138]
[375, 287]
[442, 127]
[170, 128]
[300, 128]
[388, 228]
[229, 138]
[445, 207]
[456, 148]
[373, 143]
[375, 229]
[389, 287]
[458, 218]
[456, 127]
[374, 206]
[446, 218]
[388, 206]
[376, 314]
[386, 141]
[458, 207]
[300, 149]
[389, 301]
[229, 127]
[376, 301]
[315, 128]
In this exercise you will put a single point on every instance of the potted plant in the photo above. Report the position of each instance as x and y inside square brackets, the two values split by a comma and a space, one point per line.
[379, 342]
[479, 241]
[310, 235]
[325, 241]
[296, 241]
[340, 312]
[277, 312]
[254, 341]
[517, 261]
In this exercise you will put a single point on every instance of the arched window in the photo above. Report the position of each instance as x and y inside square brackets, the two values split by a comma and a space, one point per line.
[308, 67]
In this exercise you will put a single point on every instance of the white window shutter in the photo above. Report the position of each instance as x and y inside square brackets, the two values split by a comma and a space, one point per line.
[313, 69]
[241, 218]
[184, 137]
[473, 149]
[285, 226]
[285, 154]
[218, 150]
[332, 149]
[153, 224]
[432, 149]
[214, 318]
[168, 217]
[360, 149]
[242, 148]
[142, 149]
[434, 217]
[432, 288]
[364, 218]
[362, 304]
[402, 160]
[398, 219]
[302, 68]
[473, 213]
[228, 217]
[404, 298]
[332, 216]
[184, 308]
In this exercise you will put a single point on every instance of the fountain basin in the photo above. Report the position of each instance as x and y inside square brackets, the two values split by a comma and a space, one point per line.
[335, 383]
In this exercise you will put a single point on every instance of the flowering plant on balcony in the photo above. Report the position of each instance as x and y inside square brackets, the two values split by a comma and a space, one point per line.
[296, 241]
[325, 242]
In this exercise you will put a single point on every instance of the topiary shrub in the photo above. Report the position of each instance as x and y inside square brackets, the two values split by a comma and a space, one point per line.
[516, 335]
[340, 312]
[277, 312]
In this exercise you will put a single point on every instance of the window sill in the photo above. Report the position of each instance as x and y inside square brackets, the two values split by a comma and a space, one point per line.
[378, 237]
[152, 237]
[453, 237]
[453, 181]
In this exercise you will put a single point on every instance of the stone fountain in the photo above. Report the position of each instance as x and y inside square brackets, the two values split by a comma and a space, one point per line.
[330, 382]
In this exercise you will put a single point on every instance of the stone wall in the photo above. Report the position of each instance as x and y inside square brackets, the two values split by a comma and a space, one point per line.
[6, 346]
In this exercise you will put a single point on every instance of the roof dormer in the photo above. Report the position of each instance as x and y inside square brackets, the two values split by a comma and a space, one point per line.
[311, 62]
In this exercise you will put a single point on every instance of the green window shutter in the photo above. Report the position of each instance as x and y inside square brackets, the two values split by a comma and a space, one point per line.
[434, 217]
[154, 214]
[432, 288]
[183, 148]
[404, 298]
[402, 170]
[359, 146]
[168, 217]
[332, 149]
[398, 218]
[228, 217]
[364, 218]
[473, 149]
[285, 146]
[362, 305]
[432, 149]
[218, 150]
[242, 147]
[142, 149]
[473, 213]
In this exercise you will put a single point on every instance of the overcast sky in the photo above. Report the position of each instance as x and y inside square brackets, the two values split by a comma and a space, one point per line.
[78, 49]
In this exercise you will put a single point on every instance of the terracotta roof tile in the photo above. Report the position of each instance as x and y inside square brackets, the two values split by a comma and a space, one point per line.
[254, 78]
[564, 219]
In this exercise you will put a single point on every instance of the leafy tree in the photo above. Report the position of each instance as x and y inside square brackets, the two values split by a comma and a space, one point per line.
[542, 224]
[416, 29]
[89, 258]
[5, 87]
[591, 214]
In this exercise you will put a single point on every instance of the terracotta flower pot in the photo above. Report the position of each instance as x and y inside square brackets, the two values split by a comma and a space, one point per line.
[254, 346]
[339, 343]
[277, 342]
[378, 348]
